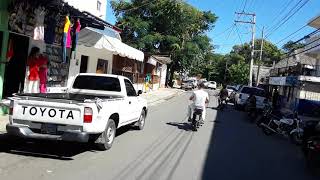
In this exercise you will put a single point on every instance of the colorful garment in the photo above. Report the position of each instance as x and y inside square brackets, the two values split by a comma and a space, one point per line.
[34, 65]
[66, 31]
[76, 34]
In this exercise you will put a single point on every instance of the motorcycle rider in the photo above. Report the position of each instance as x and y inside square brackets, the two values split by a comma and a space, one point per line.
[200, 99]
[251, 104]
[223, 95]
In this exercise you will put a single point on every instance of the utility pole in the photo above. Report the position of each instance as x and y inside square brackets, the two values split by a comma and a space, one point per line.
[260, 59]
[253, 29]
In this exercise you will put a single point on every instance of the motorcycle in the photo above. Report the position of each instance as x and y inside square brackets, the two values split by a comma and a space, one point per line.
[197, 120]
[285, 126]
[311, 145]
[222, 103]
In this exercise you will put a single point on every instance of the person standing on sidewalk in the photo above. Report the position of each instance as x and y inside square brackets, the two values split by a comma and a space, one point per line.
[275, 98]
[200, 99]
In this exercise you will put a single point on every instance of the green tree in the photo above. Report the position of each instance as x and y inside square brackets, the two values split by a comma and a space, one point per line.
[270, 52]
[239, 72]
[166, 27]
[291, 46]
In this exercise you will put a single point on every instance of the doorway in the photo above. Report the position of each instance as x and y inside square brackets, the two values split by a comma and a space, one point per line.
[84, 64]
[16, 67]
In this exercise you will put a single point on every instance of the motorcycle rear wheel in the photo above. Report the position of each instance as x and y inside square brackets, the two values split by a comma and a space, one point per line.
[267, 131]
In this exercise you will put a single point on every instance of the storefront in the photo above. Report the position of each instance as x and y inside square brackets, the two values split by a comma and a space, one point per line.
[53, 27]
[101, 51]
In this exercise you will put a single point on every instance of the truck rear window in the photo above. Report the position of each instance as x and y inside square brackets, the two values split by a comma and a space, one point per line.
[98, 83]
[254, 91]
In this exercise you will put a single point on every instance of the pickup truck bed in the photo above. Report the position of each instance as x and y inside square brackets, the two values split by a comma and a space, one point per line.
[68, 96]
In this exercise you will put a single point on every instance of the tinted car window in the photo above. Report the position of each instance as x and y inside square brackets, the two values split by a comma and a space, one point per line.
[254, 91]
[130, 89]
[99, 83]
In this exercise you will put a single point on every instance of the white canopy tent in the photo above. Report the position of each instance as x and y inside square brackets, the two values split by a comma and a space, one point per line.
[99, 39]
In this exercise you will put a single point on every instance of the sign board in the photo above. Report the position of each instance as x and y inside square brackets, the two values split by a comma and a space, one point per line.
[279, 81]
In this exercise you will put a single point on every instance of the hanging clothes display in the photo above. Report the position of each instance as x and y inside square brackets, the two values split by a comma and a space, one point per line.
[66, 31]
[76, 34]
[50, 29]
[40, 13]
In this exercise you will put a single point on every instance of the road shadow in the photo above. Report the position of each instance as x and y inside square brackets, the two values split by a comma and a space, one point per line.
[59, 150]
[183, 125]
[240, 150]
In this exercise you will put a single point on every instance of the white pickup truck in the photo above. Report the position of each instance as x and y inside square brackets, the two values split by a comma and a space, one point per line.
[90, 111]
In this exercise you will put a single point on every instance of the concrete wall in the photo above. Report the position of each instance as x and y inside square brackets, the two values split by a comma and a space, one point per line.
[90, 6]
[163, 75]
[93, 54]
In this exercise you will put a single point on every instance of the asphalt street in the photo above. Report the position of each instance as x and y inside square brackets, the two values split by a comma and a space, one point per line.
[226, 147]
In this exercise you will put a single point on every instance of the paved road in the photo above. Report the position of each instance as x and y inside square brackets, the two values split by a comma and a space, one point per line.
[226, 147]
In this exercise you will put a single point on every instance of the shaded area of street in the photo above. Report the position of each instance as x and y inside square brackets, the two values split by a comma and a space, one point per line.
[227, 146]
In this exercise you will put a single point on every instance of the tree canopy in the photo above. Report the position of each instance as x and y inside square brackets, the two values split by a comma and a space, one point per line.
[291, 46]
[270, 52]
[171, 27]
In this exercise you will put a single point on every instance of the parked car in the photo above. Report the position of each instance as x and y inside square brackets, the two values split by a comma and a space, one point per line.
[91, 110]
[243, 94]
[187, 85]
[211, 85]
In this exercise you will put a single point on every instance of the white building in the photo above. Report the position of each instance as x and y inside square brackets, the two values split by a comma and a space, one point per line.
[95, 7]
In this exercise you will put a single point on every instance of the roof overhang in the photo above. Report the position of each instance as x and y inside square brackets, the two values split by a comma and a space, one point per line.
[98, 39]
[315, 22]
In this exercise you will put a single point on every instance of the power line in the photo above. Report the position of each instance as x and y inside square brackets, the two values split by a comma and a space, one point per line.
[285, 6]
[287, 18]
[245, 4]
[304, 45]
[291, 34]
[302, 51]
[223, 32]
[237, 29]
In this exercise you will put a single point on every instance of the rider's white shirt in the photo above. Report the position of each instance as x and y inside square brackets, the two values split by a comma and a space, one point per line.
[200, 97]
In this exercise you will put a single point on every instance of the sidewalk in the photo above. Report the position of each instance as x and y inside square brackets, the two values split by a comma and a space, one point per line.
[4, 119]
[161, 95]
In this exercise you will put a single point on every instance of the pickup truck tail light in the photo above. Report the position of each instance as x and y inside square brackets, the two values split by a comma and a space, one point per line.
[87, 117]
[11, 108]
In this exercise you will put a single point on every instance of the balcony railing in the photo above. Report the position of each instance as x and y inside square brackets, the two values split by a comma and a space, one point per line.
[303, 70]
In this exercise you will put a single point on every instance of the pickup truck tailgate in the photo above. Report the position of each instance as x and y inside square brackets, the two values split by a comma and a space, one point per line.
[47, 112]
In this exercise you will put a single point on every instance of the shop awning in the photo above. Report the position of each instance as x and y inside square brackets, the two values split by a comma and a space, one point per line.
[102, 39]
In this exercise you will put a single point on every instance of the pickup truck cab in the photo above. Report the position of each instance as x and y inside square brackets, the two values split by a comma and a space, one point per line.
[90, 111]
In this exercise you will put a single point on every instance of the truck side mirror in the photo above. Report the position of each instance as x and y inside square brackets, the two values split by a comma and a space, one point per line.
[139, 92]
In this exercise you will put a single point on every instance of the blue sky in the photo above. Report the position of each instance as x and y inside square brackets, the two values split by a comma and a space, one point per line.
[268, 13]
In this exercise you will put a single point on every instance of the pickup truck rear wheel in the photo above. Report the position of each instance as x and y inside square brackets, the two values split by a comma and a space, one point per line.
[142, 120]
[105, 140]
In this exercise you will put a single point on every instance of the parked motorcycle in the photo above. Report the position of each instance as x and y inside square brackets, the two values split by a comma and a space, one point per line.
[286, 126]
[197, 120]
[311, 145]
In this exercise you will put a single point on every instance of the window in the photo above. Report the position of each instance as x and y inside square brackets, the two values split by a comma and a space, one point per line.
[130, 89]
[102, 66]
[84, 64]
[97, 83]
[98, 5]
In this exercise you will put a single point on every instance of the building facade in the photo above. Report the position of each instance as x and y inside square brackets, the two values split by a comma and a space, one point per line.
[95, 7]
[298, 76]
